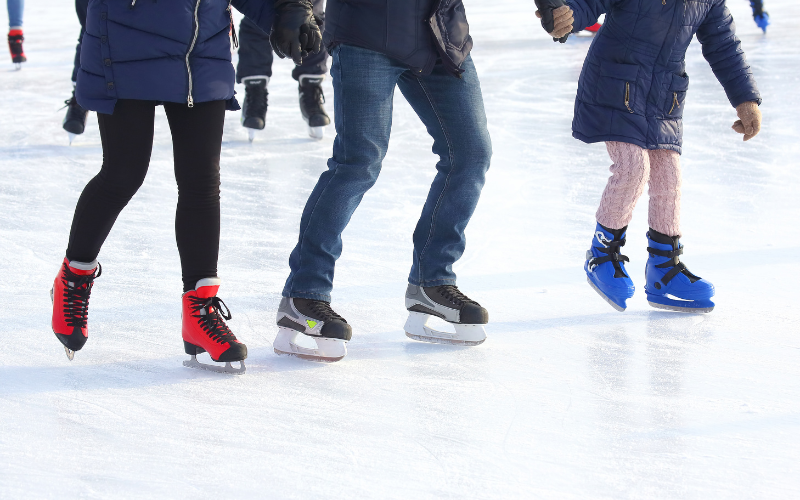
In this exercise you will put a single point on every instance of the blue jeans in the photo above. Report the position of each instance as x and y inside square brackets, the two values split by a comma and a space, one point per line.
[15, 8]
[451, 109]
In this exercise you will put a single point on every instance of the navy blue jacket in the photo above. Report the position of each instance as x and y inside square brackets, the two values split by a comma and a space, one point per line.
[415, 33]
[633, 84]
[168, 51]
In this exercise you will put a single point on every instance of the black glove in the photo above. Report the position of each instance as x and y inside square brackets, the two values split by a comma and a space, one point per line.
[295, 33]
[546, 8]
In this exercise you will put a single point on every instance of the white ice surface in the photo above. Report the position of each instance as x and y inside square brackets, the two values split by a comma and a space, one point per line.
[566, 399]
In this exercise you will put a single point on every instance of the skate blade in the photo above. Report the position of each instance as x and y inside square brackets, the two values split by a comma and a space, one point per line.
[605, 297]
[316, 132]
[251, 134]
[417, 328]
[71, 137]
[70, 353]
[17, 66]
[228, 368]
[689, 310]
[327, 351]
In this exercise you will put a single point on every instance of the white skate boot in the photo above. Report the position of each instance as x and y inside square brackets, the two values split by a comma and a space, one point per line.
[316, 319]
[448, 303]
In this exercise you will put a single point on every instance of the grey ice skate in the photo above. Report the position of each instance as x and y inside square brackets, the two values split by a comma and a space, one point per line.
[316, 319]
[448, 303]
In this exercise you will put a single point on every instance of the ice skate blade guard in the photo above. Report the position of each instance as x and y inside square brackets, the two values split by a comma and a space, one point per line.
[327, 351]
[417, 328]
[605, 297]
[228, 368]
[683, 306]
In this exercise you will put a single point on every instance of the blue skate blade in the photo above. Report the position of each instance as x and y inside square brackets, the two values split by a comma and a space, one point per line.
[618, 304]
[684, 306]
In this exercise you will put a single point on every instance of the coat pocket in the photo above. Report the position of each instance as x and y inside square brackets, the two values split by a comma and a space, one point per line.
[616, 86]
[676, 96]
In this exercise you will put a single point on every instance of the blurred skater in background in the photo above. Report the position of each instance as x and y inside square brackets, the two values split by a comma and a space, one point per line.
[15, 38]
[760, 16]
[255, 70]
[75, 120]
[633, 98]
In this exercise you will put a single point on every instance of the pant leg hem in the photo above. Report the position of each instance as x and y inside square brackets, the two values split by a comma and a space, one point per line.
[439, 282]
[307, 295]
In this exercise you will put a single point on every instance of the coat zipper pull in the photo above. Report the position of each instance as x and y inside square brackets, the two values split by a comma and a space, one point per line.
[674, 102]
[663, 2]
[628, 96]
[190, 101]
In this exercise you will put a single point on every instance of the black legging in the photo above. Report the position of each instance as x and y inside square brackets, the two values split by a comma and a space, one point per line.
[127, 138]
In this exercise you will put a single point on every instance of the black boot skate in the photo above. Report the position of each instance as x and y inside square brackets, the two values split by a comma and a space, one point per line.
[75, 121]
[254, 109]
[311, 101]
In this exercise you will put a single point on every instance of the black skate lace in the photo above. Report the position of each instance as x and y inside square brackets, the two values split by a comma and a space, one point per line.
[72, 103]
[613, 255]
[674, 262]
[76, 297]
[454, 295]
[212, 321]
[15, 44]
[256, 101]
[324, 311]
[312, 97]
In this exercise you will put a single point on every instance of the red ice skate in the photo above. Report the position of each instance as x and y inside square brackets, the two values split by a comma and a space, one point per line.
[15, 39]
[594, 28]
[204, 329]
[70, 296]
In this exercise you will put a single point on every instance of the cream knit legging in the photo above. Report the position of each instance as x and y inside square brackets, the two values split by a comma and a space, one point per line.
[633, 167]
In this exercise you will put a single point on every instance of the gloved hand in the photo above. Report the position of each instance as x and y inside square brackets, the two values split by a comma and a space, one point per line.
[557, 18]
[295, 33]
[749, 122]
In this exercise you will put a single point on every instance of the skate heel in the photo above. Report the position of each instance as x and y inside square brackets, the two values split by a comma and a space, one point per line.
[328, 350]
[192, 349]
[417, 328]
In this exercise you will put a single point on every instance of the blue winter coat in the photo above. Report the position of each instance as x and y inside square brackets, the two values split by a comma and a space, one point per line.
[633, 84]
[161, 50]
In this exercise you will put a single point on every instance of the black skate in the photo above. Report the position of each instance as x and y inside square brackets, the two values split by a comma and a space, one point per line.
[448, 303]
[75, 121]
[311, 101]
[316, 319]
[254, 109]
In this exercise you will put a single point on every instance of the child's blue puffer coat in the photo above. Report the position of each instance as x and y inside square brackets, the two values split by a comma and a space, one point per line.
[633, 84]
[161, 50]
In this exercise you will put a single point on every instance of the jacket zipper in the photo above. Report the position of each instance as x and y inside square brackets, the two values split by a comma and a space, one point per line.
[674, 102]
[189, 99]
[628, 96]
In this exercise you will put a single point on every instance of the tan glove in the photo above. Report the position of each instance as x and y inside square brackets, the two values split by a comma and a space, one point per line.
[562, 19]
[749, 122]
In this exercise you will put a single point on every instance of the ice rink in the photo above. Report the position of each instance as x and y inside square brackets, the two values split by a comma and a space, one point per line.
[567, 398]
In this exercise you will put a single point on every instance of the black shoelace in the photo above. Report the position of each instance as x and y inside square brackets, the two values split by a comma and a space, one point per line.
[324, 311]
[674, 263]
[213, 321]
[76, 295]
[312, 96]
[452, 294]
[613, 255]
[256, 101]
[72, 104]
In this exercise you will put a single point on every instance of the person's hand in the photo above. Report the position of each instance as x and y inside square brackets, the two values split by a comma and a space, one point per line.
[557, 18]
[295, 33]
[749, 122]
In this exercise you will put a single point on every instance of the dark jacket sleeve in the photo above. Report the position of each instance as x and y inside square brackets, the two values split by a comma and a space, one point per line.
[586, 12]
[260, 12]
[723, 51]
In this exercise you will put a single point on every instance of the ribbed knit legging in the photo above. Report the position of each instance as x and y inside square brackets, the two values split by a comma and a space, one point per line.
[633, 167]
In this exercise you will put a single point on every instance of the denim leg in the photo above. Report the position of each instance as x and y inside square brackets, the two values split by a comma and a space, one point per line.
[15, 8]
[363, 85]
[452, 110]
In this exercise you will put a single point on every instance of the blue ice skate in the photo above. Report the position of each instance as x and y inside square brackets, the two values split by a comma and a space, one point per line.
[605, 268]
[669, 284]
[759, 15]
